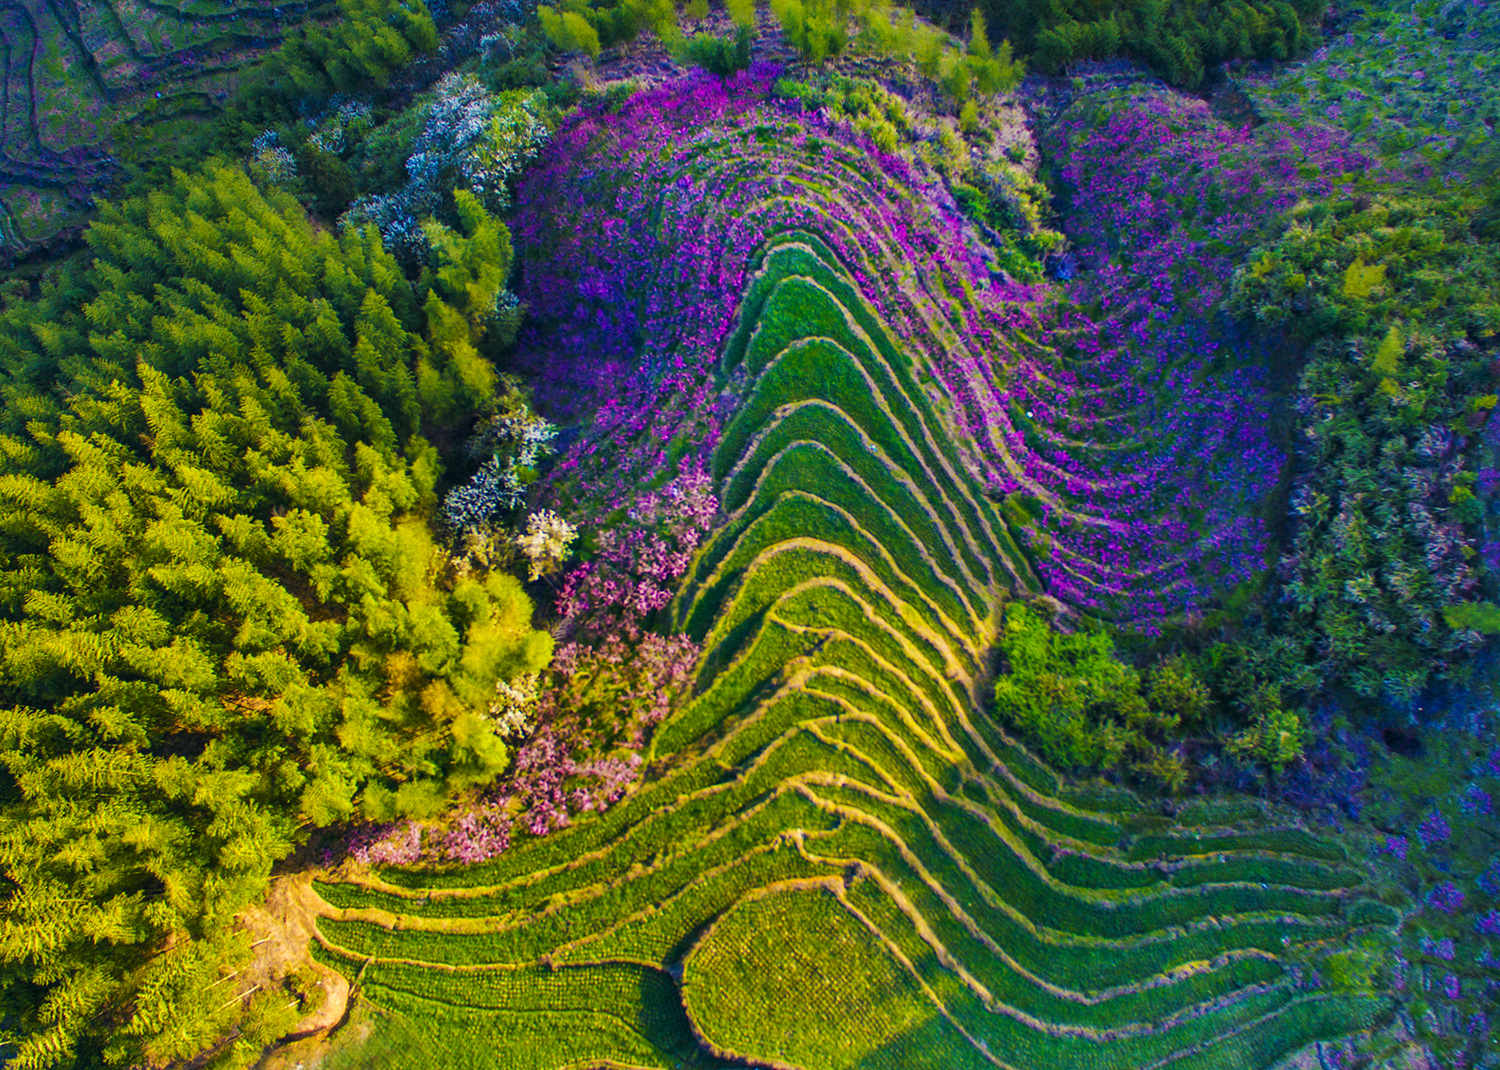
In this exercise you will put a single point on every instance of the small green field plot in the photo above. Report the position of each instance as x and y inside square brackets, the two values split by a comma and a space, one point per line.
[847, 864]
[767, 979]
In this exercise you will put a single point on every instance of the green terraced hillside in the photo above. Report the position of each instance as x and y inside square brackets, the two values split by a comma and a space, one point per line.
[848, 865]
[75, 70]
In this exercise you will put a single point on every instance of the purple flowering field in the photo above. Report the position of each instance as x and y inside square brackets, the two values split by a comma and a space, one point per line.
[1137, 436]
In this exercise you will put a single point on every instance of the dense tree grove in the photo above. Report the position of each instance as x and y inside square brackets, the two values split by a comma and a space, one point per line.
[1391, 306]
[1180, 40]
[225, 618]
[360, 50]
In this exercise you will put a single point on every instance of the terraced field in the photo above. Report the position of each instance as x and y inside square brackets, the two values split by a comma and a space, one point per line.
[846, 864]
[1135, 489]
[75, 70]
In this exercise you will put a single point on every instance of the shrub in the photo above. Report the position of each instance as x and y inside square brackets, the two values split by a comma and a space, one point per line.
[569, 31]
[816, 28]
[1086, 709]
[1179, 42]
[1276, 735]
[1387, 303]
[466, 138]
[588, 27]
[546, 542]
[717, 55]
[362, 49]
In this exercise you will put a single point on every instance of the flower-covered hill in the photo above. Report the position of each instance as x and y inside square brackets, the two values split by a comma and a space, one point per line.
[837, 859]
[1133, 481]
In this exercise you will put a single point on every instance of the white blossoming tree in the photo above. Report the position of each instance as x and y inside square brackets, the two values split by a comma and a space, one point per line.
[546, 542]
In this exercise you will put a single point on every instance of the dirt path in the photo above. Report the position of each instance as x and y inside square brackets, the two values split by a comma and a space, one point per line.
[282, 928]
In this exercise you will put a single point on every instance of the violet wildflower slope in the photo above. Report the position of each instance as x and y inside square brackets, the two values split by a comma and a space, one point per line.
[847, 863]
[1134, 485]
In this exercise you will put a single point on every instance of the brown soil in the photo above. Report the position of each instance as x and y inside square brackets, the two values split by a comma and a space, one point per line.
[283, 929]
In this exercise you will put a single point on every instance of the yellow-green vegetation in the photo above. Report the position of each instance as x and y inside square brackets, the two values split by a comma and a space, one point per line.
[845, 860]
[582, 26]
[810, 961]
[818, 29]
[226, 619]
[1087, 708]
[1181, 42]
[371, 40]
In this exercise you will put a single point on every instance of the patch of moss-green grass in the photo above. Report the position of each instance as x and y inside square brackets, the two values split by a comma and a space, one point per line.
[792, 515]
[1290, 840]
[821, 369]
[664, 931]
[1266, 1042]
[756, 660]
[795, 979]
[619, 1013]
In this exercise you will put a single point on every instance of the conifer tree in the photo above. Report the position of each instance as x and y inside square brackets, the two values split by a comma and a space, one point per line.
[223, 618]
[362, 49]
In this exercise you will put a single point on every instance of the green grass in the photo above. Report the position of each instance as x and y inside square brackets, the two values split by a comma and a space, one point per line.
[562, 1017]
[812, 467]
[771, 975]
[794, 514]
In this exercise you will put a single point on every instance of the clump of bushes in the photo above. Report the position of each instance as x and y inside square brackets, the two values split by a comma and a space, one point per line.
[590, 27]
[820, 29]
[718, 55]
[358, 52]
[1084, 708]
[1389, 304]
[1180, 41]
[465, 137]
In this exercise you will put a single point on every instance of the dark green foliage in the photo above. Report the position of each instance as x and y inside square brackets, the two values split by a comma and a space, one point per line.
[718, 55]
[469, 268]
[1359, 267]
[1179, 40]
[361, 50]
[520, 62]
[329, 180]
[222, 616]
[1390, 304]
[1010, 209]
[1441, 872]
[379, 161]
